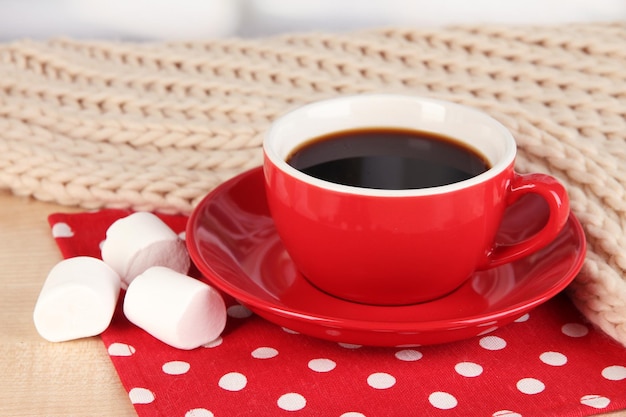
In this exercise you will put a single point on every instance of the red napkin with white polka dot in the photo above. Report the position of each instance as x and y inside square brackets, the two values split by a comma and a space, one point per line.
[548, 362]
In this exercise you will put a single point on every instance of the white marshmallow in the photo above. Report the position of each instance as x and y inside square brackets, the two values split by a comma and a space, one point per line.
[139, 241]
[176, 309]
[77, 299]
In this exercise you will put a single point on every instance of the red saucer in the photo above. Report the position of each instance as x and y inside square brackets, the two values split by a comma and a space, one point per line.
[232, 240]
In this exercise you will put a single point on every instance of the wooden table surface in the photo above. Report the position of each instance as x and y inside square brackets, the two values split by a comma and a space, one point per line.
[39, 378]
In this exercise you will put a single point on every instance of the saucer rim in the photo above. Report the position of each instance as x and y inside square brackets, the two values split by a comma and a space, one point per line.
[256, 303]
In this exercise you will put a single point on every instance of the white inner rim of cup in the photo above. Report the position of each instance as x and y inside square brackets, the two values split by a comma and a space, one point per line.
[466, 125]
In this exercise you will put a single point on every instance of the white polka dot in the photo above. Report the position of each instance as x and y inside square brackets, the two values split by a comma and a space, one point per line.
[199, 412]
[140, 396]
[286, 330]
[492, 343]
[530, 386]
[487, 331]
[442, 400]
[553, 358]
[183, 235]
[176, 367]
[214, 343]
[264, 353]
[349, 345]
[120, 349]
[595, 401]
[238, 311]
[468, 369]
[614, 373]
[62, 230]
[322, 365]
[233, 381]
[409, 355]
[574, 330]
[506, 413]
[381, 380]
[352, 414]
[291, 402]
[521, 319]
[100, 245]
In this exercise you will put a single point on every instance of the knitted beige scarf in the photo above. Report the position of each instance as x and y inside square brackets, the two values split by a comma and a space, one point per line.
[156, 126]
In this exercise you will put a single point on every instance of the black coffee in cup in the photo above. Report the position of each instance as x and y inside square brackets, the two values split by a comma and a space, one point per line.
[388, 158]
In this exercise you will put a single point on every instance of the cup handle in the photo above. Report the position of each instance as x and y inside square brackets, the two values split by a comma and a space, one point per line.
[554, 193]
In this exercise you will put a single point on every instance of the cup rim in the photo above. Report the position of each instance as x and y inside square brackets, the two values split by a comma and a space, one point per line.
[273, 157]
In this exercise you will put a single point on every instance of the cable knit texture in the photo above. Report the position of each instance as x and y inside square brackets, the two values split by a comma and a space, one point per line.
[155, 126]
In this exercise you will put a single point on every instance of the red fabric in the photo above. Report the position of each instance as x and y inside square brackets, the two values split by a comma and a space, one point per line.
[549, 363]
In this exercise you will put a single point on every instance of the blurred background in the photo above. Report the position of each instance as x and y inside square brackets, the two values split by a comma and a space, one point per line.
[140, 20]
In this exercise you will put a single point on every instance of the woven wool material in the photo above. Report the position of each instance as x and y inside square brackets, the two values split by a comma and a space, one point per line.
[155, 126]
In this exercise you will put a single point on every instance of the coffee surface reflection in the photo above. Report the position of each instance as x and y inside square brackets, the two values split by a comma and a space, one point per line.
[393, 159]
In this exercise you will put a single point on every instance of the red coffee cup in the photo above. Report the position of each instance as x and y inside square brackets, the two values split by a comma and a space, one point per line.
[399, 246]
